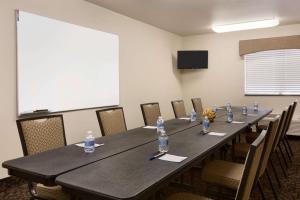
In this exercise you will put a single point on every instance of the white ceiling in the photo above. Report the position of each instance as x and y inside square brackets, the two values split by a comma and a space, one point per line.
[190, 17]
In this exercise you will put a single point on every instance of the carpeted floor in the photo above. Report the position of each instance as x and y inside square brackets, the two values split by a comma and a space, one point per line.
[13, 189]
[16, 189]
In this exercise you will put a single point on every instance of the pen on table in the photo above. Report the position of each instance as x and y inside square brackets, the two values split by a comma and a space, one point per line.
[157, 155]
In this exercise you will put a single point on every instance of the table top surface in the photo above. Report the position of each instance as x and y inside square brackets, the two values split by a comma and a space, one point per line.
[131, 175]
[46, 166]
[135, 144]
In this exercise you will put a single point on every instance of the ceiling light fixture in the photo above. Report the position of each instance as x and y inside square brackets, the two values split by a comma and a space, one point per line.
[245, 26]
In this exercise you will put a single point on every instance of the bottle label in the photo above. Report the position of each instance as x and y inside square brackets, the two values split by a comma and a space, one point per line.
[89, 143]
[229, 117]
[206, 125]
[163, 143]
[160, 124]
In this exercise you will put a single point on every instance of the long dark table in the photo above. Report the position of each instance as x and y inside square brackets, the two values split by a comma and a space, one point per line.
[131, 175]
[46, 166]
[252, 116]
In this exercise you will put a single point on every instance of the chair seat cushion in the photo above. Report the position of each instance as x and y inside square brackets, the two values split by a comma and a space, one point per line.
[241, 149]
[186, 196]
[262, 127]
[250, 137]
[224, 173]
[54, 192]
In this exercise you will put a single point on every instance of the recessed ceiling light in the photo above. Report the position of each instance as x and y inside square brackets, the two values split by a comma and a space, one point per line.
[245, 26]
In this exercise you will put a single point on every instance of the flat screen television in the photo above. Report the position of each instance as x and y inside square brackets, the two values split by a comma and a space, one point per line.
[192, 59]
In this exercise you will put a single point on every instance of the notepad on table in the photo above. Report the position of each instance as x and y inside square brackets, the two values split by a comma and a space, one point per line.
[82, 145]
[216, 134]
[252, 115]
[172, 158]
[238, 122]
[184, 118]
[150, 127]
[270, 118]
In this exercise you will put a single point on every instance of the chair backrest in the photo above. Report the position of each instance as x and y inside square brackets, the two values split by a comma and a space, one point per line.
[280, 129]
[38, 134]
[269, 141]
[179, 108]
[252, 164]
[294, 105]
[151, 112]
[197, 105]
[287, 121]
[111, 121]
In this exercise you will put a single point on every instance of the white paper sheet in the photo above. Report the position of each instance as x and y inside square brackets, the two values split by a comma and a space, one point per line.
[185, 118]
[82, 145]
[172, 158]
[150, 127]
[237, 122]
[216, 134]
[252, 115]
[271, 118]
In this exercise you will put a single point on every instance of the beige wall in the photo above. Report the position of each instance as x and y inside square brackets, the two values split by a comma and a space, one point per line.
[224, 79]
[146, 66]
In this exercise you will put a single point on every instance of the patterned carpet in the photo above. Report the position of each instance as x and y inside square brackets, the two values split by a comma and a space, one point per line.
[15, 189]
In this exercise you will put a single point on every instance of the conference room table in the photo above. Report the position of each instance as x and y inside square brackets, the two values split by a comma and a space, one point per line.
[121, 169]
[46, 166]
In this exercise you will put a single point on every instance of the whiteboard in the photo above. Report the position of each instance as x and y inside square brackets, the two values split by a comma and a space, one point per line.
[62, 66]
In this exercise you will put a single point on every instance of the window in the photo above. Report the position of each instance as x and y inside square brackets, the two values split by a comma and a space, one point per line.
[275, 72]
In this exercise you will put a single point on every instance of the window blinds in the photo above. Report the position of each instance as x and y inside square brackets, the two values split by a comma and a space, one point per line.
[275, 72]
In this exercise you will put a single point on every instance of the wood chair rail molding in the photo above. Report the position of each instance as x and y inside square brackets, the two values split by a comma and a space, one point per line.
[265, 44]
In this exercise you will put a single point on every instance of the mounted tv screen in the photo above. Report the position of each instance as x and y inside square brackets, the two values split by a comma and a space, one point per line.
[192, 59]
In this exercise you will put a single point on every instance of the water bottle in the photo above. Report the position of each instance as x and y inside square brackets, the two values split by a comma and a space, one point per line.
[163, 142]
[89, 142]
[255, 106]
[160, 124]
[229, 116]
[193, 115]
[244, 110]
[205, 125]
[228, 106]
